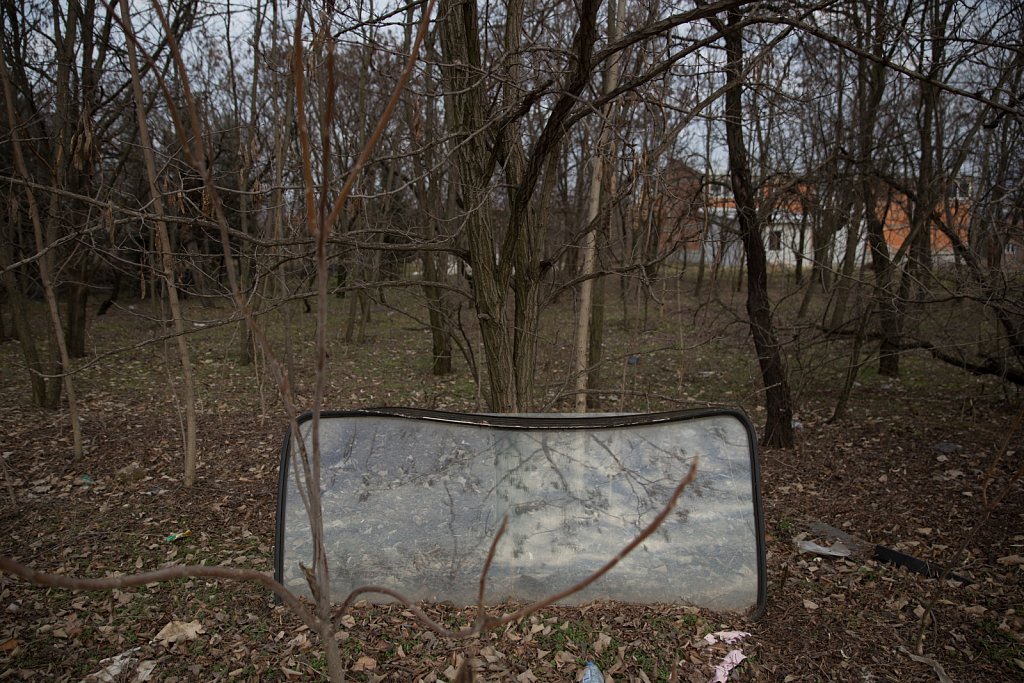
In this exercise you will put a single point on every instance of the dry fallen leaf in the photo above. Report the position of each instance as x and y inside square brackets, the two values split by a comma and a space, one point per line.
[810, 604]
[176, 631]
[145, 671]
[290, 674]
[365, 663]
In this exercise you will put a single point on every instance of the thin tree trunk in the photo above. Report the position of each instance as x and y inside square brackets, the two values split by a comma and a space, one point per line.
[247, 342]
[853, 368]
[595, 344]
[871, 84]
[166, 257]
[76, 307]
[845, 279]
[587, 355]
[45, 274]
[886, 288]
[778, 429]
[586, 303]
[19, 313]
[430, 205]
[440, 331]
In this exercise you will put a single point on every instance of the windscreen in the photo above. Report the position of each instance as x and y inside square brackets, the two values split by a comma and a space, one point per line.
[413, 499]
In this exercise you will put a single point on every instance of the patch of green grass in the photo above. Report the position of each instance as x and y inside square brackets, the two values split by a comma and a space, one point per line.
[454, 622]
[690, 620]
[661, 622]
[652, 667]
[611, 653]
[351, 649]
[645, 661]
[787, 528]
[318, 661]
[577, 633]
[1001, 647]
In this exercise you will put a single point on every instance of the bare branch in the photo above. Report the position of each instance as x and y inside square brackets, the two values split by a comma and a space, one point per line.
[167, 574]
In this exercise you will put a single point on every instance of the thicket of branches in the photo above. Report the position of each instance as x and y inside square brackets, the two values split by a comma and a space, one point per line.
[536, 149]
[493, 157]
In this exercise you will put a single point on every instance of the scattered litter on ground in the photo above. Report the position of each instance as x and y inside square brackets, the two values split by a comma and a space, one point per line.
[592, 674]
[727, 637]
[118, 667]
[728, 663]
[837, 549]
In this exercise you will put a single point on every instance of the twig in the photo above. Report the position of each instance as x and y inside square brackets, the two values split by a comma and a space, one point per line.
[487, 564]
[167, 574]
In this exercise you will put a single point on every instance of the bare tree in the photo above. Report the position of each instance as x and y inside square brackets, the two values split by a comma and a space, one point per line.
[45, 272]
[584, 357]
[778, 430]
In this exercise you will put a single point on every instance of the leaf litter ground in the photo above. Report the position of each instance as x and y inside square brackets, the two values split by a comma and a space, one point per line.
[905, 469]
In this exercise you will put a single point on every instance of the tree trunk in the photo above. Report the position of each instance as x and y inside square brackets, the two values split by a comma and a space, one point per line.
[20, 321]
[45, 272]
[460, 42]
[798, 270]
[246, 342]
[778, 429]
[845, 280]
[508, 328]
[166, 256]
[588, 339]
[440, 329]
[429, 199]
[76, 307]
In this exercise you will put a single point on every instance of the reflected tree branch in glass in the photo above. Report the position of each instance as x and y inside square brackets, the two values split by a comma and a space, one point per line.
[483, 621]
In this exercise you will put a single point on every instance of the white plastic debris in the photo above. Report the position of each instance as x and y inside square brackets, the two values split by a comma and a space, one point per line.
[727, 637]
[728, 663]
[591, 674]
[837, 549]
[118, 667]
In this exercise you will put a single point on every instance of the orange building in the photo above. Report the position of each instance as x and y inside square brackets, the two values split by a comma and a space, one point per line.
[697, 211]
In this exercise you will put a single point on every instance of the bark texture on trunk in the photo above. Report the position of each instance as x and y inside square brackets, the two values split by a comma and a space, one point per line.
[778, 430]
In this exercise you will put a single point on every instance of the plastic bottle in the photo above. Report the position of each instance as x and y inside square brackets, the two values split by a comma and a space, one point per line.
[591, 674]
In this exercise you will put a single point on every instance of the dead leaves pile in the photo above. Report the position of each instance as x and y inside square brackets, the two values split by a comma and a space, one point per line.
[630, 643]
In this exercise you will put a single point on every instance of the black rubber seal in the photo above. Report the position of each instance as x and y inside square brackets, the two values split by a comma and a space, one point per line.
[915, 564]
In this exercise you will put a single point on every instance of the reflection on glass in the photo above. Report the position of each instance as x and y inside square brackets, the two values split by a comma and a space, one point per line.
[414, 504]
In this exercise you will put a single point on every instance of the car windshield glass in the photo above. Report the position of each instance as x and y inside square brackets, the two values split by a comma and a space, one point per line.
[413, 499]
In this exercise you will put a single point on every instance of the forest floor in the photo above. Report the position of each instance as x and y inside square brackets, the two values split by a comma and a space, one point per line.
[906, 468]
